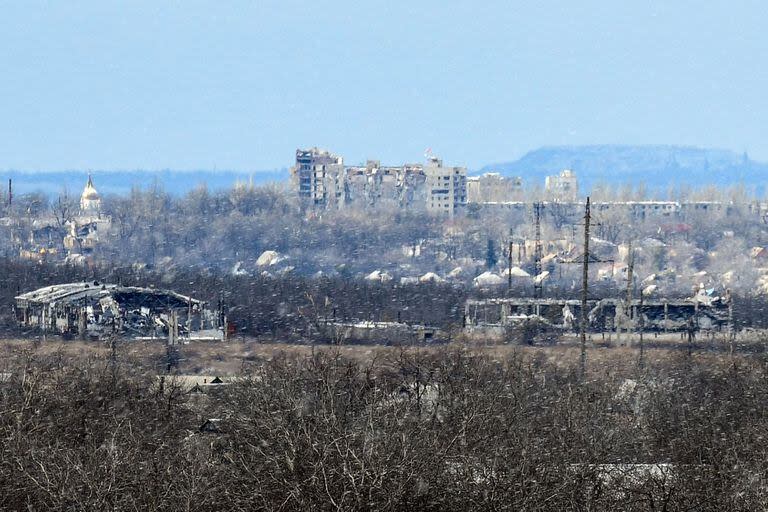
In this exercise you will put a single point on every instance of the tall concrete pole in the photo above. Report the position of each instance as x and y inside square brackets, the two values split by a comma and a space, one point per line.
[509, 267]
[537, 251]
[641, 326]
[630, 292]
[630, 278]
[584, 288]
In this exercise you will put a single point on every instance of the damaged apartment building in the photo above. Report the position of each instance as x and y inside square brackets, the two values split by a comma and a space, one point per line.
[98, 310]
[321, 179]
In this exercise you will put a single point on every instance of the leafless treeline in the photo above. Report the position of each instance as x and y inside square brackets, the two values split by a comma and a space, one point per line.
[286, 306]
[221, 229]
[447, 430]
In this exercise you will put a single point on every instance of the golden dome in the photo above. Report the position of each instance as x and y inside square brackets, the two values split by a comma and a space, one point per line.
[89, 192]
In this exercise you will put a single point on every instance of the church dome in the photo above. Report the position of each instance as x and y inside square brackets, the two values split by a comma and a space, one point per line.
[90, 201]
[89, 192]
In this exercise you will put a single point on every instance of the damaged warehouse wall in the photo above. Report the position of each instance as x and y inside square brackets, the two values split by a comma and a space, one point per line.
[97, 310]
[379, 332]
[494, 315]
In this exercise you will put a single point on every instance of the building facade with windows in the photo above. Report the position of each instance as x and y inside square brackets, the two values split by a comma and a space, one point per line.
[446, 187]
[493, 187]
[562, 187]
[318, 177]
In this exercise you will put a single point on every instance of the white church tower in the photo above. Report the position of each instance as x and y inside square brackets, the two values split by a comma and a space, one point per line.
[90, 201]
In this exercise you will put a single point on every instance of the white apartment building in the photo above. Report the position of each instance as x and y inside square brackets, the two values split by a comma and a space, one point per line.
[319, 177]
[376, 184]
[564, 187]
[492, 187]
[446, 187]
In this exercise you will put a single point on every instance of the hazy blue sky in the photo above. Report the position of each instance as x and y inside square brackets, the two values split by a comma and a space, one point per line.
[190, 85]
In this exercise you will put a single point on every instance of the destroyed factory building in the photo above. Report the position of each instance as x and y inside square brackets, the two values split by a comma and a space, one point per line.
[94, 309]
[700, 312]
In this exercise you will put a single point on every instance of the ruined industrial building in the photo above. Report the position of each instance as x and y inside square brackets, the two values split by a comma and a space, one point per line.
[378, 332]
[99, 310]
[494, 316]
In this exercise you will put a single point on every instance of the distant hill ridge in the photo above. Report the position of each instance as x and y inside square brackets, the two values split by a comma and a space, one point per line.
[657, 166]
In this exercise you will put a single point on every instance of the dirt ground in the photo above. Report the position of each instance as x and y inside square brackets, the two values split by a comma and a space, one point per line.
[232, 358]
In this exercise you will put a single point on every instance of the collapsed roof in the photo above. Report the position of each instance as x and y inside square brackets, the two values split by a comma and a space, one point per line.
[97, 309]
[131, 297]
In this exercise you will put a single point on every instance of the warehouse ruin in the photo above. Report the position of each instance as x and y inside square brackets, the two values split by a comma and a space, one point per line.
[378, 332]
[98, 310]
[493, 316]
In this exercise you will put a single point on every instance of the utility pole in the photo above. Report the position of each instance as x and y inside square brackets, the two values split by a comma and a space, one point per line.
[189, 319]
[630, 283]
[173, 339]
[584, 287]
[630, 276]
[641, 325]
[537, 251]
[731, 327]
[10, 192]
[509, 267]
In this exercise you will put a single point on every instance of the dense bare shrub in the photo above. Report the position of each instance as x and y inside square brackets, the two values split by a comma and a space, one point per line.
[428, 430]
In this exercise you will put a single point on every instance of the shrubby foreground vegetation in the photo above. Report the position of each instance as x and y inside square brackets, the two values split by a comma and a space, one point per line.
[446, 429]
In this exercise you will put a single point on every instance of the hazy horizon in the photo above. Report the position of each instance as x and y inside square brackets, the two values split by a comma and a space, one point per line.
[289, 161]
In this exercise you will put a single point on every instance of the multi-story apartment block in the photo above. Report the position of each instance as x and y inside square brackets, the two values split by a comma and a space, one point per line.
[319, 177]
[446, 187]
[493, 187]
[376, 184]
[563, 187]
[373, 184]
[412, 183]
